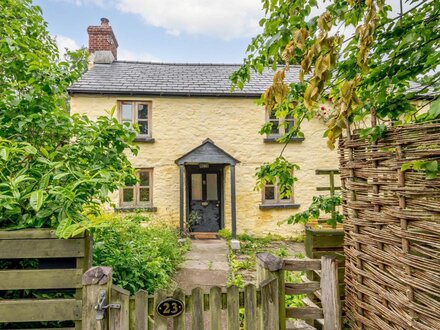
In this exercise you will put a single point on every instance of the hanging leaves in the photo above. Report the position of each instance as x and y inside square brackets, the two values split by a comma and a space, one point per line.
[375, 67]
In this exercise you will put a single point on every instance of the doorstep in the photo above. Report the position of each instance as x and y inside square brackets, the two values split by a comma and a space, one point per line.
[204, 235]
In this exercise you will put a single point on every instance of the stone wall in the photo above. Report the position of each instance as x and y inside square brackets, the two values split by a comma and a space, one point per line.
[180, 124]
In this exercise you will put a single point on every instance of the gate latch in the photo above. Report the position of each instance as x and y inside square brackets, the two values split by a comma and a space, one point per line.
[101, 307]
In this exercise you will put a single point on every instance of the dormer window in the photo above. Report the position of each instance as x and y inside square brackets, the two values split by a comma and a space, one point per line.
[139, 113]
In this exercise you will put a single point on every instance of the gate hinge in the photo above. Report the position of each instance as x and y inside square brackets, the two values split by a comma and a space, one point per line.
[101, 307]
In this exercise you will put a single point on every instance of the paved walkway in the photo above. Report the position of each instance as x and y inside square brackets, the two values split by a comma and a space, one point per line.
[205, 266]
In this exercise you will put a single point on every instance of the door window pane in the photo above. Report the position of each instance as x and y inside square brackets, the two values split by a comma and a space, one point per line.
[144, 194]
[211, 189]
[196, 187]
[128, 195]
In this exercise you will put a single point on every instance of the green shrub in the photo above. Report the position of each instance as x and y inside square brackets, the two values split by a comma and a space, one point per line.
[55, 168]
[143, 254]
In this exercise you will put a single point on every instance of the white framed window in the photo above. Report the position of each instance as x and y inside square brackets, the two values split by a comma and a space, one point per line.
[139, 194]
[136, 112]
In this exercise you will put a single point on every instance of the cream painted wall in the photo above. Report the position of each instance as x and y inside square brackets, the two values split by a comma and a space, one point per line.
[180, 124]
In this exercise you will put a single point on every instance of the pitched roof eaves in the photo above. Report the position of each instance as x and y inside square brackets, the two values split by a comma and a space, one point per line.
[156, 93]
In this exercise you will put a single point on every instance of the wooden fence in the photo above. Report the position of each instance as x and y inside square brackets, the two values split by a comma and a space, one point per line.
[254, 308]
[392, 227]
[58, 265]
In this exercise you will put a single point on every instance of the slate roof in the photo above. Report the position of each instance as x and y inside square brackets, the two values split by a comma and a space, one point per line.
[149, 78]
[207, 153]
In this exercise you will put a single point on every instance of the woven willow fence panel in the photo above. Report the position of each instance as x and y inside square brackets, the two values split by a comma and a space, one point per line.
[392, 230]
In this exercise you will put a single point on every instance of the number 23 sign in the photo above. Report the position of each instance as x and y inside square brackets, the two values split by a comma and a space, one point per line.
[170, 307]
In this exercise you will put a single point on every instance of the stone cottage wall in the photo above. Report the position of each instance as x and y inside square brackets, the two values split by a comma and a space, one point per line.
[180, 124]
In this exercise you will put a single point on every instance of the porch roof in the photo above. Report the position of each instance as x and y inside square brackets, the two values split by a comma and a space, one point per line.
[207, 153]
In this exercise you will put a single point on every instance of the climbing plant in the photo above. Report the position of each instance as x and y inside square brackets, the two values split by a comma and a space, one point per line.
[363, 56]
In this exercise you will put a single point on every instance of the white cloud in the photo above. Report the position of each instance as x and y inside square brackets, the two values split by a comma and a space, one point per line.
[64, 42]
[226, 19]
[128, 55]
[99, 3]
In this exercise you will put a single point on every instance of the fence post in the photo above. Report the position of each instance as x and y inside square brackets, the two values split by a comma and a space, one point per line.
[330, 293]
[271, 267]
[94, 281]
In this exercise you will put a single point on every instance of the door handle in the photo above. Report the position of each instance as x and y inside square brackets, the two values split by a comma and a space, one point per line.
[205, 203]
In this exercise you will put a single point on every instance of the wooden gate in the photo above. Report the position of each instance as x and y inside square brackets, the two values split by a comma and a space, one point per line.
[255, 308]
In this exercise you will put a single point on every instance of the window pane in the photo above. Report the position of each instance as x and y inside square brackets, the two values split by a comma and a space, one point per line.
[269, 193]
[275, 129]
[127, 112]
[290, 123]
[142, 111]
[128, 195]
[144, 178]
[273, 116]
[211, 189]
[144, 194]
[196, 187]
[285, 198]
[143, 127]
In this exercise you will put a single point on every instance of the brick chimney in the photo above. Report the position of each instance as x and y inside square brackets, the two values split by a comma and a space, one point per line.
[102, 39]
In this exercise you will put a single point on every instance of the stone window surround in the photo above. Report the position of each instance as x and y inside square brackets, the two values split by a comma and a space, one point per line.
[140, 137]
[136, 204]
[277, 202]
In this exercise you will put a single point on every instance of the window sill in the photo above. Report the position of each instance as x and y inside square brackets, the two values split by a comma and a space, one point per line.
[279, 206]
[134, 209]
[274, 139]
[144, 139]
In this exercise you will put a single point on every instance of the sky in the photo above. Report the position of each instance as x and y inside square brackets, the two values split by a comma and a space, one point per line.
[198, 31]
[191, 31]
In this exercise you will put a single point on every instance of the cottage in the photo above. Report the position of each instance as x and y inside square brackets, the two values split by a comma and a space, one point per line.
[199, 142]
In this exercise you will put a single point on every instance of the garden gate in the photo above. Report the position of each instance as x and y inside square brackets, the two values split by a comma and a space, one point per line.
[108, 307]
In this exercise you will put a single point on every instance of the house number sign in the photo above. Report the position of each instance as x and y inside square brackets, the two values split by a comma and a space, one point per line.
[170, 307]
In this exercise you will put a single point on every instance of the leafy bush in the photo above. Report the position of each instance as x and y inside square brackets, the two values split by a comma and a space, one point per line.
[325, 204]
[143, 254]
[54, 168]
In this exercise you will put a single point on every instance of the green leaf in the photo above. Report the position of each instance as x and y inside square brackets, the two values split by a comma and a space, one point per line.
[36, 200]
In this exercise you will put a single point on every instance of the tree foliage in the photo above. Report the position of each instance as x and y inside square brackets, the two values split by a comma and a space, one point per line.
[54, 168]
[356, 53]
[319, 205]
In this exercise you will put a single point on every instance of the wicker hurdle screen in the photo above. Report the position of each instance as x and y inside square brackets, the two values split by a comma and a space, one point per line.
[392, 229]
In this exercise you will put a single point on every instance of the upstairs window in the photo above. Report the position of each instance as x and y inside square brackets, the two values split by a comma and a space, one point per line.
[136, 112]
[280, 126]
[140, 194]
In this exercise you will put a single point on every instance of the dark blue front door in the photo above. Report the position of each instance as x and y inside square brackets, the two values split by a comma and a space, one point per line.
[205, 199]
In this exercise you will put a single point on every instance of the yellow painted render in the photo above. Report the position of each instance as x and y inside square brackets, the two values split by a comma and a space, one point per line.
[180, 124]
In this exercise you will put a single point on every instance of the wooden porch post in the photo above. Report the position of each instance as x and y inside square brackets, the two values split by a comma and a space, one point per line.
[233, 207]
[182, 174]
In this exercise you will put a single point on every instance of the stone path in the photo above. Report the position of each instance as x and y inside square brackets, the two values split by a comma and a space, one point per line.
[205, 265]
